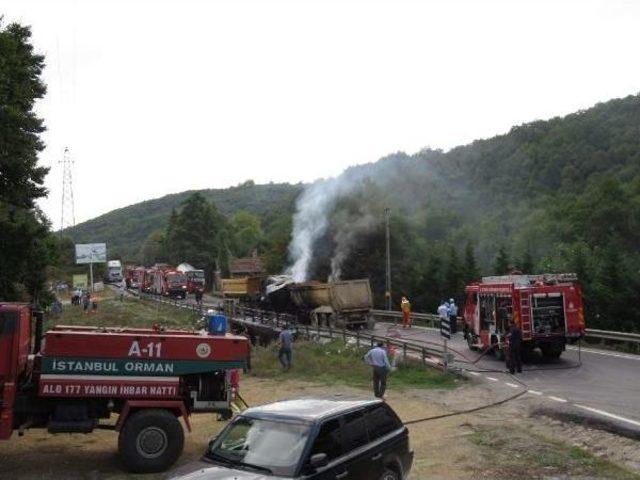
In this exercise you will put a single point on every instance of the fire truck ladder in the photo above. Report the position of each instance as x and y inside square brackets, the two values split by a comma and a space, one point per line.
[525, 315]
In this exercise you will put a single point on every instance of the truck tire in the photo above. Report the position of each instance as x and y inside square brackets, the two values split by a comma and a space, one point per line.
[389, 474]
[471, 342]
[150, 441]
[371, 323]
[551, 352]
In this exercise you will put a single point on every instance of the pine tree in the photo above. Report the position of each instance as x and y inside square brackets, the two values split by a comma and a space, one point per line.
[453, 273]
[471, 272]
[526, 263]
[198, 235]
[24, 232]
[501, 264]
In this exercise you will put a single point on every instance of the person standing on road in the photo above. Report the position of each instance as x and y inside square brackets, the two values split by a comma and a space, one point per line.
[86, 301]
[121, 291]
[379, 362]
[453, 316]
[443, 312]
[198, 295]
[405, 306]
[515, 348]
[286, 348]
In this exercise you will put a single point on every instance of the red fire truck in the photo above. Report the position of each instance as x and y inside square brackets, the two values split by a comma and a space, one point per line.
[195, 278]
[76, 377]
[146, 280]
[169, 282]
[548, 308]
[133, 276]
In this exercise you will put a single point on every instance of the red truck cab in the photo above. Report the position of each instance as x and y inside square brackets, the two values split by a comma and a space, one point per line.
[548, 309]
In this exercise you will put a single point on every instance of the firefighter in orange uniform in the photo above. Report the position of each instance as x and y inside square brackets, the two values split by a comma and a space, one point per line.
[405, 306]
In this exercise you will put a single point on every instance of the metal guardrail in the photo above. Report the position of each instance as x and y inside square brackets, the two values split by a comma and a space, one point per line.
[432, 320]
[427, 354]
[428, 319]
[609, 335]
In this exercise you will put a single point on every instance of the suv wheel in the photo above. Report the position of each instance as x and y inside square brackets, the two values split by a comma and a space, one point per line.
[389, 474]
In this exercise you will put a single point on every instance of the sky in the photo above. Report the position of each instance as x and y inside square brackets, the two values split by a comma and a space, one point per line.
[158, 97]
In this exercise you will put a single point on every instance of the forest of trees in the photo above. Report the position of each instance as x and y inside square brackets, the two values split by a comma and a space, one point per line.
[561, 195]
[28, 248]
[549, 196]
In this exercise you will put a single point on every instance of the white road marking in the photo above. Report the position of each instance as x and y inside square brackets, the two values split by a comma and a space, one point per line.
[512, 385]
[607, 414]
[475, 374]
[492, 379]
[534, 392]
[556, 399]
[608, 354]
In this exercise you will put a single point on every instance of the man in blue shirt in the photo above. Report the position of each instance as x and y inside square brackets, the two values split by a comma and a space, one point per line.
[453, 316]
[286, 348]
[378, 360]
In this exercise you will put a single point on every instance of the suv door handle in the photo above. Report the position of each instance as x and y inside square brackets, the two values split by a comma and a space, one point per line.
[376, 457]
[342, 475]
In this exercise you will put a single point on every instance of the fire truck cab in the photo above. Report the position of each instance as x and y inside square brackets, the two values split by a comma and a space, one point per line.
[547, 308]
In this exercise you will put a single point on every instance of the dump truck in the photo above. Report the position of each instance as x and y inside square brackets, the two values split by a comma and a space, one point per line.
[246, 289]
[346, 303]
[73, 379]
[548, 309]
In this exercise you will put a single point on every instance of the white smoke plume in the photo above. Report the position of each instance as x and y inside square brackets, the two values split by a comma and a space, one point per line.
[310, 223]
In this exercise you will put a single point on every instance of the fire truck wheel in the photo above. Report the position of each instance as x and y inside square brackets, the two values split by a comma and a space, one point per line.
[471, 341]
[150, 441]
[371, 323]
[389, 474]
[551, 353]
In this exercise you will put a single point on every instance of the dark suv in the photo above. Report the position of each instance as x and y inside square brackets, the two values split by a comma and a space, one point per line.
[308, 438]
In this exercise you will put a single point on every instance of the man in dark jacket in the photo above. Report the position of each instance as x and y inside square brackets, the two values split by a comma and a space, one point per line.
[515, 347]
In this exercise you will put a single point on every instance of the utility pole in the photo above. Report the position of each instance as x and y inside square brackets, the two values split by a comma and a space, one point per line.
[68, 214]
[387, 214]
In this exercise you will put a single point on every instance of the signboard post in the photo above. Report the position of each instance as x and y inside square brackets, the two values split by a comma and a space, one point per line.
[91, 253]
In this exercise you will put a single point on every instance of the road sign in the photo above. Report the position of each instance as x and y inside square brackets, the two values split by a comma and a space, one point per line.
[445, 328]
[80, 281]
[91, 252]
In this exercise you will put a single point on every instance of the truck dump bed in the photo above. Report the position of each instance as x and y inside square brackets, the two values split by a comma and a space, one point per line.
[351, 296]
[241, 287]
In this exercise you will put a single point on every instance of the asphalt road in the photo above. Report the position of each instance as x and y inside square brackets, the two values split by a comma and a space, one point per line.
[601, 383]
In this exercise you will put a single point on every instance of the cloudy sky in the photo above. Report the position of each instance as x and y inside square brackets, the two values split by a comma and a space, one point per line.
[163, 96]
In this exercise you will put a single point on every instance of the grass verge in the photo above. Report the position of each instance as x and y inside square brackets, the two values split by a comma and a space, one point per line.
[131, 312]
[343, 363]
[510, 452]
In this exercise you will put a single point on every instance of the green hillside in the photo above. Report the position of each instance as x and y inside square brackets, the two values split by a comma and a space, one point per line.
[124, 230]
[556, 195]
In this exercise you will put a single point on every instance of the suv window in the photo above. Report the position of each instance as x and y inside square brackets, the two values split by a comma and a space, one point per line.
[381, 420]
[354, 431]
[328, 440]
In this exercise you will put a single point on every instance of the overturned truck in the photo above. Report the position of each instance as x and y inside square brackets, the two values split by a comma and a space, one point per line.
[339, 304]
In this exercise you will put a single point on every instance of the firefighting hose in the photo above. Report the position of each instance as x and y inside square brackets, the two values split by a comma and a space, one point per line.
[499, 402]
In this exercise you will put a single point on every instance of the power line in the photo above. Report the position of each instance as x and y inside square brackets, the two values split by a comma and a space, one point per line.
[68, 214]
